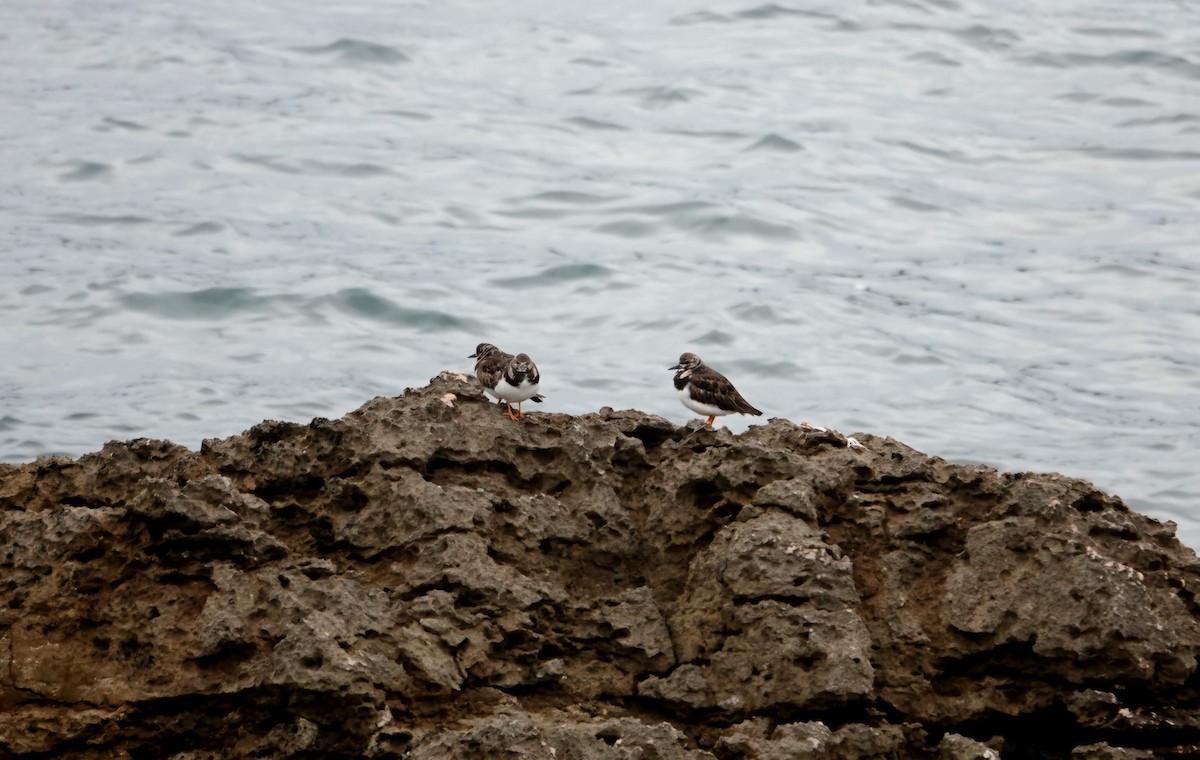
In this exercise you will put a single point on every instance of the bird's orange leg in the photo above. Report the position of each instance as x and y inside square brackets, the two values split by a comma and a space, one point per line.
[520, 414]
[710, 420]
[510, 414]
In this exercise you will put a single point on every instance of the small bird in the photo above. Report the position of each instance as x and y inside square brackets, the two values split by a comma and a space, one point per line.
[512, 379]
[706, 391]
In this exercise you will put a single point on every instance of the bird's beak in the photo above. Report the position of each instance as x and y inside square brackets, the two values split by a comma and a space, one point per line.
[677, 366]
[472, 356]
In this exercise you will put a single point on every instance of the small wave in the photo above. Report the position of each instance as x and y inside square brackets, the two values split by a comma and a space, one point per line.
[555, 275]
[778, 368]
[699, 17]
[210, 303]
[935, 58]
[917, 359]
[772, 10]
[155, 62]
[97, 220]
[691, 217]
[773, 142]
[29, 444]
[84, 171]
[534, 213]
[669, 209]
[267, 162]
[759, 313]
[1120, 102]
[914, 205]
[598, 383]
[335, 169]
[358, 51]
[1141, 154]
[1105, 31]
[628, 228]
[110, 121]
[200, 228]
[819, 126]
[361, 302]
[1178, 118]
[1077, 97]
[570, 197]
[1142, 58]
[714, 338]
[737, 225]
[325, 168]
[413, 115]
[711, 134]
[74, 317]
[659, 324]
[949, 155]
[586, 123]
[986, 37]
[1122, 270]
[662, 97]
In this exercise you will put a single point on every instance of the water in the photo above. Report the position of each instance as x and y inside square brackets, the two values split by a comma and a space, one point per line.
[971, 226]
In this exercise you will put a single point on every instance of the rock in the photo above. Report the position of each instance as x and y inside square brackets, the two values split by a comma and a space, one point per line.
[771, 607]
[1105, 752]
[514, 733]
[959, 747]
[425, 578]
[810, 741]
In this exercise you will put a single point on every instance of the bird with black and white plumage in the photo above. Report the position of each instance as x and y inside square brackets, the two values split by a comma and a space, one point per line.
[511, 379]
[706, 391]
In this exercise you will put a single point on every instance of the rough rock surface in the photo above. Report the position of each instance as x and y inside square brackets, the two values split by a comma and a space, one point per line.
[427, 579]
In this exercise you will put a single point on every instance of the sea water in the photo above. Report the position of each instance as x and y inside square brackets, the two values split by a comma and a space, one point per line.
[971, 226]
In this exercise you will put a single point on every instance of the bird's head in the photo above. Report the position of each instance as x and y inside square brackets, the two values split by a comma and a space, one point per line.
[522, 362]
[483, 350]
[687, 361]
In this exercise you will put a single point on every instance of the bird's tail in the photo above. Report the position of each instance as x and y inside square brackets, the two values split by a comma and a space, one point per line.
[538, 398]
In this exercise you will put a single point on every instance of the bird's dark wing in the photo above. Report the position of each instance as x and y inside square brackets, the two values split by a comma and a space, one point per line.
[491, 368]
[711, 387]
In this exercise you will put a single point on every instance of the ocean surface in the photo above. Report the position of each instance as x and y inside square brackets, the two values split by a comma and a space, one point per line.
[971, 226]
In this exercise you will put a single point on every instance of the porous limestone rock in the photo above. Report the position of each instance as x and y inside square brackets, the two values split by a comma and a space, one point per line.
[425, 578]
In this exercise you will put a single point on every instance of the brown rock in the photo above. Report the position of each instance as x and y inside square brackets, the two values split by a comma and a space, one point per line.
[425, 578]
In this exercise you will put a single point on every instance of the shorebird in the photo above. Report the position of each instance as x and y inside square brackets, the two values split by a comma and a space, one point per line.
[511, 379]
[706, 391]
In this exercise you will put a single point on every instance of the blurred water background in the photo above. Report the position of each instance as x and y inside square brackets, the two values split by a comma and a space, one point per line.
[972, 226]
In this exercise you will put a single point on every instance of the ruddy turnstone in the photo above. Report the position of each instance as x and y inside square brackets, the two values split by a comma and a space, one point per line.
[706, 391]
[512, 379]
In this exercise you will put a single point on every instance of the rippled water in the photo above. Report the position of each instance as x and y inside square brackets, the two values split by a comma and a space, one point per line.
[968, 226]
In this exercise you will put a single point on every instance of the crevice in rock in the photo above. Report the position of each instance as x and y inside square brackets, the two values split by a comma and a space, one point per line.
[300, 490]
[228, 656]
[651, 436]
[1052, 732]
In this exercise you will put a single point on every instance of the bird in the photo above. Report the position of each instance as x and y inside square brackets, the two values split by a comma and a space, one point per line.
[511, 379]
[706, 391]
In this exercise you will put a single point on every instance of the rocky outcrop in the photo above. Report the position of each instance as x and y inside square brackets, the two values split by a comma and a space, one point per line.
[426, 579]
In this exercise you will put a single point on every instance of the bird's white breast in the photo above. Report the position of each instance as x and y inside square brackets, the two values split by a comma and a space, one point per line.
[685, 396]
[512, 394]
